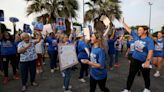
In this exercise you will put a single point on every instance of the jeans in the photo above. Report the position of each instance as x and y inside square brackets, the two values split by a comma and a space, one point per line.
[12, 59]
[53, 59]
[1, 63]
[25, 67]
[101, 84]
[112, 60]
[116, 57]
[67, 77]
[83, 69]
[135, 66]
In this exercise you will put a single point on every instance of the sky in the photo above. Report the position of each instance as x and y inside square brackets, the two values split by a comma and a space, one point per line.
[135, 12]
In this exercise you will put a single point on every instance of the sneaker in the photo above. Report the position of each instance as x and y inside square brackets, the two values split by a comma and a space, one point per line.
[67, 91]
[111, 68]
[157, 74]
[5, 80]
[37, 71]
[41, 70]
[146, 90]
[57, 68]
[24, 88]
[117, 65]
[70, 86]
[125, 90]
[34, 84]
[44, 63]
[82, 80]
[16, 77]
[52, 70]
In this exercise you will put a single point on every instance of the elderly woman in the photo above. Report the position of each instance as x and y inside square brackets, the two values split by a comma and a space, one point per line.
[28, 57]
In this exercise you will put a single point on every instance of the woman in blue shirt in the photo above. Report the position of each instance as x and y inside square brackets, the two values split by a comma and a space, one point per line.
[111, 50]
[83, 53]
[52, 50]
[158, 53]
[98, 71]
[142, 56]
[8, 52]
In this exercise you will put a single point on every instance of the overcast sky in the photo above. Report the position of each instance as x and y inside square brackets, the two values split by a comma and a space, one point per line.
[134, 11]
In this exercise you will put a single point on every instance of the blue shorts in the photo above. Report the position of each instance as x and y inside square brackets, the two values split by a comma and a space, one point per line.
[158, 54]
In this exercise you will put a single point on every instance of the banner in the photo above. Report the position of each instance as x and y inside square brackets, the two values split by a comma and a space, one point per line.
[61, 24]
[67, 56]
[77, 29]
[119, 32]
[27, 29]
[13, 19]
[47, 28]
[1, 15]
[38, 26]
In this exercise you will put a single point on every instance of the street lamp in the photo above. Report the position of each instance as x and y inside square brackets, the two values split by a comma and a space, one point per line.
[150, 4]
[83, 13]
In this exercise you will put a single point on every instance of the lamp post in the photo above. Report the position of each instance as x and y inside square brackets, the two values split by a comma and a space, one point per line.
[83, 14]
[150, 4]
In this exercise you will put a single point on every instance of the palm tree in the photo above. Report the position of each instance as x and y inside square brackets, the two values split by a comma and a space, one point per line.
[53, 8]
[110, 8]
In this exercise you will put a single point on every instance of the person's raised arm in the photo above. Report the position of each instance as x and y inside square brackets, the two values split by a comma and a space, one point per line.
[127, 28]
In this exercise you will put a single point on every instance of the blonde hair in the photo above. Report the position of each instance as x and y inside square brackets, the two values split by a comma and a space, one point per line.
[24, 35]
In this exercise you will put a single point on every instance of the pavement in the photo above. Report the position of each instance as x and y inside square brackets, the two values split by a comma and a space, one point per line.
[116, 81]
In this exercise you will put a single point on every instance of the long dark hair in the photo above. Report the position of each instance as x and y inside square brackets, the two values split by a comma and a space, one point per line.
[146, 28]
[10, 36]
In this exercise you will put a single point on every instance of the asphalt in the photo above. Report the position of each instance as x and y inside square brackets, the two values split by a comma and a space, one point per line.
[116, 81]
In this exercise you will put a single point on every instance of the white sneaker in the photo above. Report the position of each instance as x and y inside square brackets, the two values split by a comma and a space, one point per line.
[157, 74]
[68, 91]
[70, 86]
[52, 70]
[57, 68]
[146, 90]
[125, 90]
[82, 80]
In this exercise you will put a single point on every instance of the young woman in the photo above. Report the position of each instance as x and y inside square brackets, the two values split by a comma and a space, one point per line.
[39, 47]
[111, 50]
[8, 52]
[98, 71]
[158, 53]
[83, 53]
[142, 56]
[52, 51]
[67, 72]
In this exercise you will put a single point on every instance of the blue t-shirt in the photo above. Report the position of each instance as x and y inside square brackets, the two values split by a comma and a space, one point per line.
[52, 44]
[81, 50]
[130, 45]
[111, 43]
[142, 46]
[159, 48]
[98, 56]
[8, 47]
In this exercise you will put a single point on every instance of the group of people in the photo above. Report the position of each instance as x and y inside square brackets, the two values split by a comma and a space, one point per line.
[26, 55]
